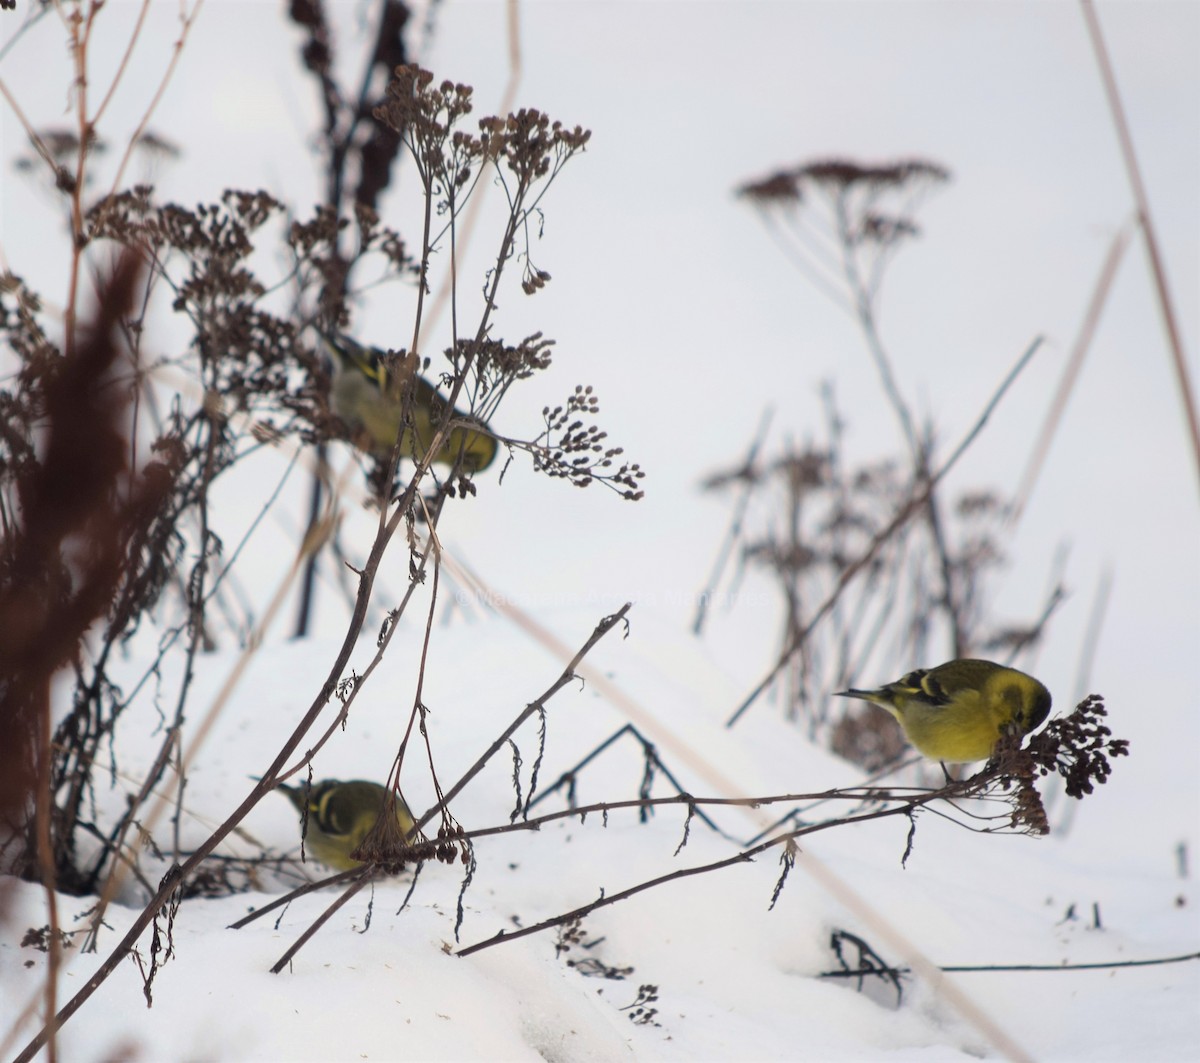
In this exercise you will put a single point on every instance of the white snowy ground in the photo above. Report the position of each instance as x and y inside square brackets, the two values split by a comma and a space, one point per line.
[734, 980]
[672, 301]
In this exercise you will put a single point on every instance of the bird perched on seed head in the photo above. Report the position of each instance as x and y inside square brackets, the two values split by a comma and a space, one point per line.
[372, 393]
[957, 711]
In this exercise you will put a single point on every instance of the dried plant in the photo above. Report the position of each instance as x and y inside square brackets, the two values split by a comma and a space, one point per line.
[923, 595]
[135, 543]
[1077, 747]
[256, 380]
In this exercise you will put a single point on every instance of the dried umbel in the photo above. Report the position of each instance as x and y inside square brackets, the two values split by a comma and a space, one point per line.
[1075, 747]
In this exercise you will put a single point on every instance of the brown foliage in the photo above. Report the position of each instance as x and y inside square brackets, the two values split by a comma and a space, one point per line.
[79, 512]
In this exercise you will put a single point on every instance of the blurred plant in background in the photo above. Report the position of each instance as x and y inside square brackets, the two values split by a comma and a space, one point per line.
[923, 597]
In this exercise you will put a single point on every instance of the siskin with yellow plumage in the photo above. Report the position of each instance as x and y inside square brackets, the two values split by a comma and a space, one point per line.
[957, 711]
[340, 815]
[369, 395]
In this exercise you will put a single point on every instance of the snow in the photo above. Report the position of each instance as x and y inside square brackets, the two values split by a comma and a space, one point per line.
[661, 278]
[734, 979]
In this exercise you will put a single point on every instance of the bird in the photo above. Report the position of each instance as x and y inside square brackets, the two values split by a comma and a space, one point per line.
[340, 815]
[369, 395]
[957, 711]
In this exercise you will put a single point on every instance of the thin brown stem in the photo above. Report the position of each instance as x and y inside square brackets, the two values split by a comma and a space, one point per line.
[568, 674]
[915, 503]
[443, 802]
[1165, 305]
[1066, 385]
[319, 922]
[857, 793]
[176, 877]
[735, 524]
[741, 857]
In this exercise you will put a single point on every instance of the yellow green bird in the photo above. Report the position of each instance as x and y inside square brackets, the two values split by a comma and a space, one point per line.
[368, 394]
[957, 711]
[340, 815]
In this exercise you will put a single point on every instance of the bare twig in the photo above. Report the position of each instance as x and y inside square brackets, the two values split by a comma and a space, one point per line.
[915, 503]
[970, 787]
[359, 876]
[735, 522]
[343, 898]
[1083, 343]
[568, 674]
[984, 968]
[1165, 305]
[178, 874]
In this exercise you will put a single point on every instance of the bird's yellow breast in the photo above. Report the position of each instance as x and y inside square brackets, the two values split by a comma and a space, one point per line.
[966, 729]
[959, 710]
